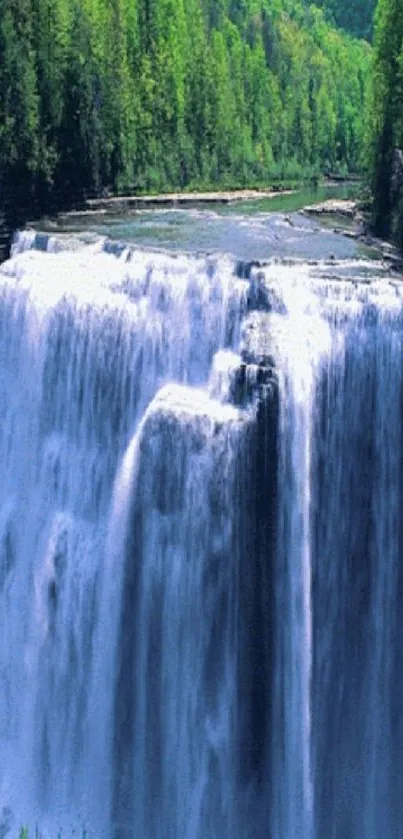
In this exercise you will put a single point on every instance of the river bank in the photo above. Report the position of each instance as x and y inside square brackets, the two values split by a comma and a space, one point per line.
[348, 218]
[125, 203]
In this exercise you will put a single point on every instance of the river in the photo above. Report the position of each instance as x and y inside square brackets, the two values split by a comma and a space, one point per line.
[201, 468]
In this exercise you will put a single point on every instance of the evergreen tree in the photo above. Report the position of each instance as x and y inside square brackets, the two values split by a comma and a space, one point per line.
[387, 116]
[19, 100]
[356, 16]
[154, 94]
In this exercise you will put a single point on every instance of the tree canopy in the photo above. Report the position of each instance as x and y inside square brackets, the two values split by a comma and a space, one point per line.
[355, 16]
[386, 115]
[153, 94]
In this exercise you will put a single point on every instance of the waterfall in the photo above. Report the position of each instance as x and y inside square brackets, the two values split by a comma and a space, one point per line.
[88, 338]
[200, 533]
[357, 485]
[175, 722]
[303, 344]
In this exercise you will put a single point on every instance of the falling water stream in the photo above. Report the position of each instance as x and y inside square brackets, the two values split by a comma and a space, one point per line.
[200, 539]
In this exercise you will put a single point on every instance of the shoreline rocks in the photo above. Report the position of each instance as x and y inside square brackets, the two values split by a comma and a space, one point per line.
[334, 207]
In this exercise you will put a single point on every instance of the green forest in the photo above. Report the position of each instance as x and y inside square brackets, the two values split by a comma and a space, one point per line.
[154, 94]
[356, 16]
[144, 95]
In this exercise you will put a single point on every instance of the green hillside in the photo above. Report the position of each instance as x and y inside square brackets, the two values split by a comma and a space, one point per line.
[154, 94]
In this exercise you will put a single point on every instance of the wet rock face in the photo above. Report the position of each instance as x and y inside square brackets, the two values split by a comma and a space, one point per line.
[258, 344]
[5, 239]
[260, 297]
[333, 207]
[253, 381]
[256, 378]
[244, 268]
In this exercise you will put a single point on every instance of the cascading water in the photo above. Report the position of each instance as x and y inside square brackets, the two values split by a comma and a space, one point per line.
[175, 725]
[199, 557]
[83, 352]
[357, 484]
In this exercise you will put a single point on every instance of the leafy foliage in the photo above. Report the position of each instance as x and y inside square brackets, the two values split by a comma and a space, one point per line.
[387, 119]
[152, 94]
[356, 16]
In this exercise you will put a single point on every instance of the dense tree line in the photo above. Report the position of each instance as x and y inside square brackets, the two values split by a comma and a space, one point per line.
[356, 16]
[387, 120]
[151, 94]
